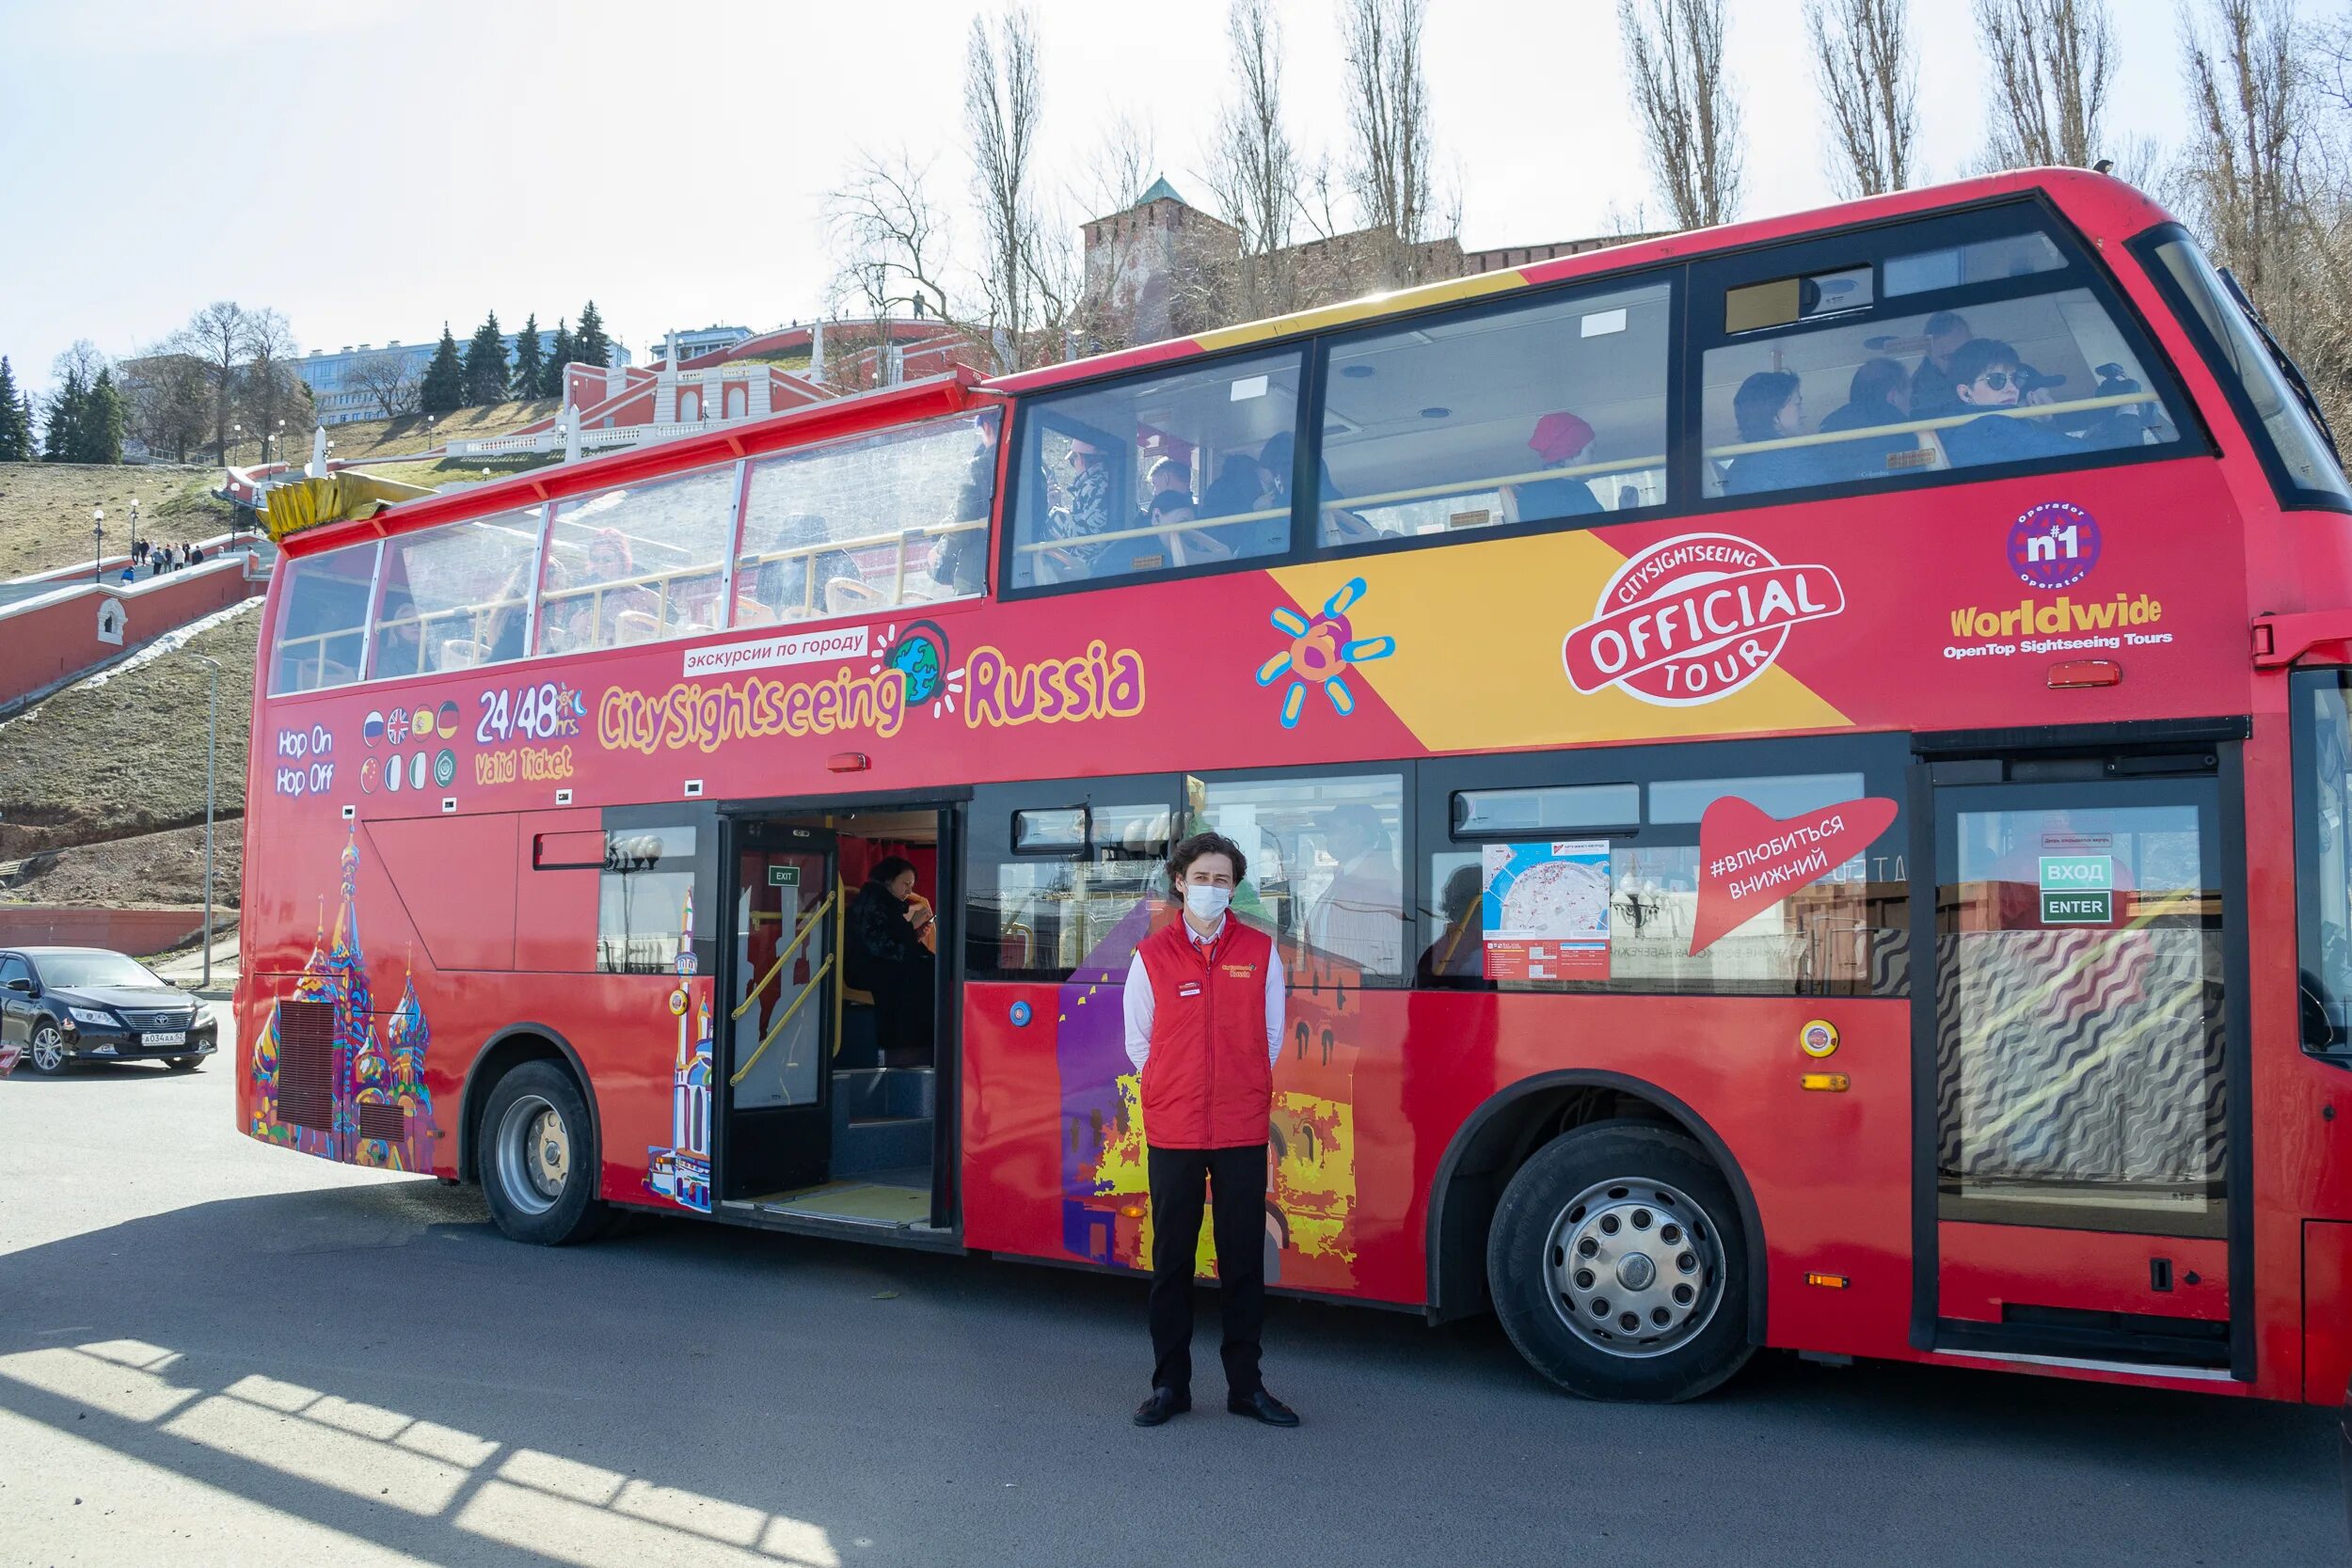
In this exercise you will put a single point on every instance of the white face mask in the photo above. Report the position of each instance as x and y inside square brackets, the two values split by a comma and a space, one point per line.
[1205, 901]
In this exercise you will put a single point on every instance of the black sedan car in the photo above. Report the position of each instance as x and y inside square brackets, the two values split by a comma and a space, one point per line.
[64, 1003]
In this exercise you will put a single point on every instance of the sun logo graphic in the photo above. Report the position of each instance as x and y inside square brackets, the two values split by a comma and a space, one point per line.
[1321, 652]
[921, 656]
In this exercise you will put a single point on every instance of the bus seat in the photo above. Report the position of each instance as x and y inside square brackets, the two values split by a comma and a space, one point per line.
[1932, 442]
[847, 595]
[460, 652]
[634, 626]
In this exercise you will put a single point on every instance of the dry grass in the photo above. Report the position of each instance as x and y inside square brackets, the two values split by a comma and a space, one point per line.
[164, 869]
[45, 509]
[365, 438]
[127, 757]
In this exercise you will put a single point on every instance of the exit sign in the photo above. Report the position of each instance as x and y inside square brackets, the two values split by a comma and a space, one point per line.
[784, 876]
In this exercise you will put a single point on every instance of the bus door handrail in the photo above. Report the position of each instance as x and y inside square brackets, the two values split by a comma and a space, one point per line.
[816, 984]
[789, 948]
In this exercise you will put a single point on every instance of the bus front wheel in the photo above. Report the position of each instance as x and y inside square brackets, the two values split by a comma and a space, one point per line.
[1617, 1265]
[538, 1158]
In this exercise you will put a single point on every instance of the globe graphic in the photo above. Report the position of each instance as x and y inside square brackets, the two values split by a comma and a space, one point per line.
[918, 659]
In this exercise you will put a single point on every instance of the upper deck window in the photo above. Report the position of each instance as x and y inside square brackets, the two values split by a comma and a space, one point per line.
[455, 596]
[1986, 351]
[1548, 410]
[637, 564]
[1158, 472]
[899, 517]
[322, 628]
[2302, 456]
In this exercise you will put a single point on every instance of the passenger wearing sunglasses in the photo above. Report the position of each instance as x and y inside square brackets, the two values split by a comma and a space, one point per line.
[1986, 375]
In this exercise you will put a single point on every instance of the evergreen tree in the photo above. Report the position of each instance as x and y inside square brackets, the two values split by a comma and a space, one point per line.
[443, 390]
[566, 350]
[595, 347]
[61, 434]
[27, 422]
[16, 423]
[530, 364]
[486, 363]
[104, 420]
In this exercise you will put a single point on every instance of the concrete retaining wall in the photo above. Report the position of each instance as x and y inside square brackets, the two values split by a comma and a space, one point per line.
[46, 639]
[133, 931]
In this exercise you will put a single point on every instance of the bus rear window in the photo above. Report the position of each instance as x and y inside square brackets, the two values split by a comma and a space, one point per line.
[2322, 858]
[321, 631]
[2243, 363]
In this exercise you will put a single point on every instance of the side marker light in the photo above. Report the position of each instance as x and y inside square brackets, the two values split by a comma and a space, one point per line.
[2069, 674]
[1832, 1082]
[1828, 1281]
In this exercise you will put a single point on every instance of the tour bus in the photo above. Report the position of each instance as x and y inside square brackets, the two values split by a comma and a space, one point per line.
[1798, 771]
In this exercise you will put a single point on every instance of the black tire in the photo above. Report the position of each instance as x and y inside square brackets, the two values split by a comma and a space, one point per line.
[1622, 1189]
[184, 1064]
[540, 1182]
[44, 1050]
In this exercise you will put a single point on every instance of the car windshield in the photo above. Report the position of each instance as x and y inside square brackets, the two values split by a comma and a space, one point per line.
[82, 970]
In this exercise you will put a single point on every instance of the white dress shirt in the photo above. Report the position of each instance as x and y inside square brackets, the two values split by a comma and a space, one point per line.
[1138, 1002]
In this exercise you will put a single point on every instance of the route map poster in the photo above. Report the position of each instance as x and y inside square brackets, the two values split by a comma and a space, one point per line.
[1547, 910]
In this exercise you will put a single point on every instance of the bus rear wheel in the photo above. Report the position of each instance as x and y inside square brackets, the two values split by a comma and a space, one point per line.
[1617, 1267]
[538, 1159]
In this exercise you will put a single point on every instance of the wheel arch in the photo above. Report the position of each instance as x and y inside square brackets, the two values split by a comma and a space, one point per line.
[1496, 1138]
[502, 1054]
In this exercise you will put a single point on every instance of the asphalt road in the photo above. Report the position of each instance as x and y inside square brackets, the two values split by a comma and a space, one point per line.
[217, 1353]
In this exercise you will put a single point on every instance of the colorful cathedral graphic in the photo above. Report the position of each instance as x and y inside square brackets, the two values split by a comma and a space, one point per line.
[325, 1080]
[681, 1172]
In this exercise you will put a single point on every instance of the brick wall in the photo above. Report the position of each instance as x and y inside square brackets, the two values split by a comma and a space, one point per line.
[46, 641]
[133, 932]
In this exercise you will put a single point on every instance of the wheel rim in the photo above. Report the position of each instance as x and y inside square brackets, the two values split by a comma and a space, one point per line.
[49, 1050]
[1636, 1267]
[534, 1154]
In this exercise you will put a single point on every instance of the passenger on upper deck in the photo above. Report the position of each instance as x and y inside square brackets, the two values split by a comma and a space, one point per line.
[1879, 394]
[1770, 406]
[1931, 383]
[1986, 375]
[1093, 510]
[400, 639]
[960, 560]
[600, 626]
[1561, 439]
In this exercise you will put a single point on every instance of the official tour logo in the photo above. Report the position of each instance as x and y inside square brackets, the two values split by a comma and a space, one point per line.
[2052, 545]
[1696, 618]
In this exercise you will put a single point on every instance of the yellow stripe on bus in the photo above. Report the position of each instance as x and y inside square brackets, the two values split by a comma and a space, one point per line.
[1341, 314]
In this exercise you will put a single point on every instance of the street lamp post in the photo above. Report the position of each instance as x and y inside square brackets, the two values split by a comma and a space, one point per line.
[135, 523]
[98, 537]
[212, 746]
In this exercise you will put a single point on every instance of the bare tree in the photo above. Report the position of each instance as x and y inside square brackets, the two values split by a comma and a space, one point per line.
[1124, 164]
[1674, 52]
[889, 240]
[168, 401]
[1387, 121]
[269, 391]
[1255, 170]
[219, 337]
[2246, 86]
[391, 380]
[2052, 63]
[1003, 101]
[1869, 73]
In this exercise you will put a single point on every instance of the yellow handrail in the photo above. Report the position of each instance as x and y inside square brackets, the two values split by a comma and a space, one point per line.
[1114, 535]
[841, 942]
[789, 948]
[815, 982]
[1945, 421]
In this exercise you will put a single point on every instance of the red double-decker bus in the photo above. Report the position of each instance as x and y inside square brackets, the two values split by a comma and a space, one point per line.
[1799, 771]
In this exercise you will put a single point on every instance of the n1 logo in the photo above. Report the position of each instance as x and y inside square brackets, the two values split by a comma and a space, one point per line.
[2052, 545]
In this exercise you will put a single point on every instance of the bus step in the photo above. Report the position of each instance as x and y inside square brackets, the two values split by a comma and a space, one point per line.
[881, 1143]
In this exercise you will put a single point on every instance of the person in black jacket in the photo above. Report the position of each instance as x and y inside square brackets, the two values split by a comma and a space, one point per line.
[886, 956]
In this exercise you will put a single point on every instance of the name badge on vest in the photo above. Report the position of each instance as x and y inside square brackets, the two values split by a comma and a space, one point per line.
[1190, 988]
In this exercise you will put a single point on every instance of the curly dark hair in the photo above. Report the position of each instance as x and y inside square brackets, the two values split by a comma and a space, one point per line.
[1190, 849]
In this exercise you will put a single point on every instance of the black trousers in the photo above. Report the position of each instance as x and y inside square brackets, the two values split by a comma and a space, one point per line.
[1236, 1180]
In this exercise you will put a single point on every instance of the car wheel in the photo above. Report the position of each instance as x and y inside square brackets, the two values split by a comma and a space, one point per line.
[184, 1063]
[538, 1158]
[1617, 1265]
[46, 1054]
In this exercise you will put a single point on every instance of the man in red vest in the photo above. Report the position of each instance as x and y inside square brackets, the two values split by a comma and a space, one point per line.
[1204, 1003]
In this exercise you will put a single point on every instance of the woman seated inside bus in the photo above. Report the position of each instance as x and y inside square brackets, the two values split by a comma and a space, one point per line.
[399, 637]
[782, 590]
[582, 617]
[1561, 441]
[1770, 406]
[1879, 394]
[1987, 375]
[1186, 546]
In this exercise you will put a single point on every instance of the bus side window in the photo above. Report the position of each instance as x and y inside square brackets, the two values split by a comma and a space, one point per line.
[637, 563]
[1975, 353]
[1157, 474]
[456, 596]
[322, 628]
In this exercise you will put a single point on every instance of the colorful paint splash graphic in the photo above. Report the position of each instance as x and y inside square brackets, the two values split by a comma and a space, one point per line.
[681, 1172]
[1320, 651]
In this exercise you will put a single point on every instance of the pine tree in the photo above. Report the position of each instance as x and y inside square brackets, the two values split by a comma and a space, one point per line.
[16, 424]
[27, 422]
[103, 421]
[486, 363]
[595, 347]
[530, 364]
[566, 350]
[61, 434]
[443, 390]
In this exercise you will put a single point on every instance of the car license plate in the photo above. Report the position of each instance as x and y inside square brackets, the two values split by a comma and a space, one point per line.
[176, 1037]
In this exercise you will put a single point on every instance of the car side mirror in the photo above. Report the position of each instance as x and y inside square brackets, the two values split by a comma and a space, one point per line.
[18, 982]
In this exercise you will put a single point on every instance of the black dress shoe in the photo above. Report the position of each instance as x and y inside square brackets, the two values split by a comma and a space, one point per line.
[1261, 1406]
[1164, 1404]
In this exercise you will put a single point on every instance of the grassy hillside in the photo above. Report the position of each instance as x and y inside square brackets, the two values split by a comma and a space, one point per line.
[153, 869]
[45, 509]
[365, 438]
[122, 753]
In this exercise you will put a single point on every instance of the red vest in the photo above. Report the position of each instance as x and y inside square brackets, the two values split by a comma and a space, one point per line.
[1207, 1079]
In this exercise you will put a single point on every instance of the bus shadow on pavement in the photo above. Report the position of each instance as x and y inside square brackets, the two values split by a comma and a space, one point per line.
[378, 1362]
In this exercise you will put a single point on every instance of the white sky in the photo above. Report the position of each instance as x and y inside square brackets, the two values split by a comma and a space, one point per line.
[372, 168]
